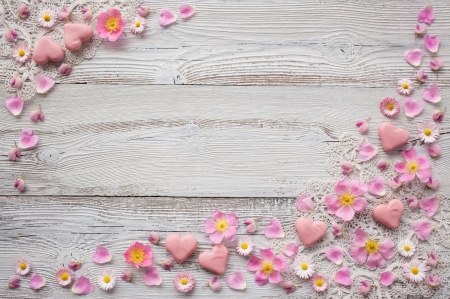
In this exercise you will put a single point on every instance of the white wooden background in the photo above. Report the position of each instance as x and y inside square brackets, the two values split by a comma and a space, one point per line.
[233, 109]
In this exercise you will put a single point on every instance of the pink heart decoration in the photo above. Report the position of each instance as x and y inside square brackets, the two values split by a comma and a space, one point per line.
[392, 137]
[389, 214]
[75, 35]
[310, 232]
[181, 247]
[215, 260]
[47, 50]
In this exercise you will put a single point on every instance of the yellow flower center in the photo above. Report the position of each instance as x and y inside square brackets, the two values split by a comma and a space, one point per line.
[23, 266]
[371, 246]
[21, 53]
[137, 256]
[47, 17]
[415, 270]
[347, 199]
[267, 268]
[405, 85]
[106, 279]
[304, 267]
[64, 276]
[406, 248]
[390, 106]
[244, 246]
[184, 281]
[112, 24]
[427, 132]
[319, 282]
[221, 225]
[138, 24]
[412, 167]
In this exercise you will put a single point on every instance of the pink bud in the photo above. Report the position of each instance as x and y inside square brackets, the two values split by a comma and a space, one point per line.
[434, 150]
[288, 286]
[432, 260]
[23, 11]
[74, 265]
[413, 202]
[143, 11]
[64, 13]
[434, 281]
[347, 167]
[382, 165]
[37, 114]
[251, 225]
[13, 154]
[167, 264]
[421, 76]
[87, 13]
[127, 275]
[10, 35]
[154, 238]
[363, 125]
[435, 64]
[420, 29]
[433, 184]
[364, 288]
[16, 82]
[438, 115]
[214, 284]
[337, 229]
[65, 69]
[20, 184]
[13, 282]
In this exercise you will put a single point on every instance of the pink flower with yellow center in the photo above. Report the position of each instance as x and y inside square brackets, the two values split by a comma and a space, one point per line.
[220, 226]
[268, 267]
[110, 24]
[139, 255]
[414, 165]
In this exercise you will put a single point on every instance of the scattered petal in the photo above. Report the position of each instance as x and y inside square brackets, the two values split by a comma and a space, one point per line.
[433, 184]
[382, 165]
[390, 107]
[335, 254]
[152, 277]
[236, 281]
[432, 260]
[36, 281]
[413, 57]
[13, 282]
[143, 11]
[366, 151]
[387, 278]
[426, 15]
[126, 275]
[420, 29]
[290, 249]
[342, 276]
[364, 288]
[305, 204]
[422, 228]
[433, 281]
[436, 64]
[274, 229]
[430, 205]
[395, 183]
[43, 83]
[432, 94]
[363, 125]
[413, 107]
[413, 202]
[186, 11]
[421, 76]
[376, 186]
[337, 229]
[434, 150]
[101, 255]
[432, 43]
[20, 184]
[82, 286]
[154, 238]
[166, 17]
[27, 139]
[14, 105]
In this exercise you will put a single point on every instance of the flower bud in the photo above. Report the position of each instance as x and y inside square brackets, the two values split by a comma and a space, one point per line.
[37, 114]
[433, 184]
[16, 82]
[288, 286]
[433, 281]
[435, 64]
[214, 284]
[347, 167]
[65, 69]
[87, 13]
[126, 275]
[337, 229]
[154, 238]
[420, 29]
[13, 154]
[421, 76]
[23, 11]
[167, 264]
[251, 225]
[74, 265]
[364, 288]
[10, 35]
[434, 150]
[413, 202]
[395, 183]
[13, 282]
[363, 125]
[64, 14]
[432, 260]
[382, 165]
[20, 184]
[438, 115]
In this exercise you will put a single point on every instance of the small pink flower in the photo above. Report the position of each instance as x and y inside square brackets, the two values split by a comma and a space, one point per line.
[363, 125]
[65, 69]
[13, 282]
[143, 11]
[433, 183]
[433, 281]
[16, 82]
[432, 260]
[421, 76]
[14, 105]
[74, 265]
[335, 254]
[382, 165]
[23, 11]
[20, 184]
[438, 115]
[21, 53]
[126, 275]
[412, 107]
[288, 286]
[152, 277]
[154, 238]
[420, 29]
[413, 166]
[186, 11]
[251, 225]
[10, 35]
[436, 64]
[430, 205]
[405, 87]
[395, 183]
[434, 150]
[376, 186]
[274, 229]
[166, 17]
[214, 284]
[184, 282]
[101, 255]
[423, 228]
[364, 288]
[36, 281]
[319, 283]
[432, 43]
[268, 267]
[371, 251]
[64, 14]
[337, 229]
[22, 266]
[236, 281]
[413, 202]
[167, 264]
[426, 15]
[413, 57]
[64, 277]
[347, 167]
[389, 107]
[37, 114]
[432, 94]
[290, 249]
[139, 255]
[387, 278]
[348, 199]
[87, 13]
[43, 83]
[110, 24]
[342, 276]
[305, 204]
[366, 151]
[82, 286]
[221, 226]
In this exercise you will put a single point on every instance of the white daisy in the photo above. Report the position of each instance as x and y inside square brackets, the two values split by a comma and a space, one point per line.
[319, 283]
[415, 271]
[428, 131]
[107, 279]
[21, 53]
[64, 277]
[22, 266]
[137, 25]
[405, 87]
[47, 18]
[406, 248]
[244, 246]
[184, 282]
[304, 267]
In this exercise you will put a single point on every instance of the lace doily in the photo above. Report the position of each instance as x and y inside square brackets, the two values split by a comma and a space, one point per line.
[30, 32]
[345, 150]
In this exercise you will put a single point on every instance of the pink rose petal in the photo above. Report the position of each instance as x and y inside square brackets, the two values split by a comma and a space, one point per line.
[274, 229]
[433, 183]
[436, 64]
[337, 229]
[186, 11]
[433, 151]
[376, 186]
[413, 57]
[82, 286]
[290, 249]
[432, 94]
[420, 29]
[14, 105]
[432, 43]
[335, 254]
[236, 281]
[430, 205]
[422, 228]
[387, 278]
[366, 151]
[342, 276]
[152, 277]
[364, 288]
[413, 107]
[27, 139]
[166, 17]
[254, 264]
[305, 204]
[413, 202]
[426, 15]
[101, 255]
[36, 281]
[43, 83]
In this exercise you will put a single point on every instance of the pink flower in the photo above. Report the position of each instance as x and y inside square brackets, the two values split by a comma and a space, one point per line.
[274, 229]
[434, 150]
[64, 277]
[268, 267]
[413, 202]
[337, 229]
[87, 13]
[143, 11]
[421, 76]
[382, 165]
[432, 94]
[23, 11]
[251, 225]
[236, 281]
[370, 251]
[438, 115]
[363, 125]
[422, 228]
[433, 281]
[290, 249]
[432, 260]
[430, 205]
[366, 151]
[83, 286]
[167, 264]
[139, 255]
[64, 14]
[214, 284]
[36, 281]
[16, 82]
[395, 183]
[305, 204]
[414, 165]
[348, 199]
[413, 57]
[433, 184]
[101, 255]
[420, 29]
[335, 254]
[43, 83]
[37, 114]
[22, 266]
[221, 226]
[74, 265]
[13, 282]
[154, 238]
[347, 167]
[126, 275]
[432, 43]
[152, 277]
[110, 24]
[364, 288]
[65, 69]
[184, 282]
[20, 184]
[166, 17]
[319, 283]
[186, 10]
[10, 35]
[389, 107]
[387, 278]
[376, 186]
[405, 87]
[288, 286]
[412, 107]
[342, 276]
[436, 64]
[14, 105]
[426, 15]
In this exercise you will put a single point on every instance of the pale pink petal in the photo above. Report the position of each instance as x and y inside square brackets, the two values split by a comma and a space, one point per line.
[434, 150]
[232, 219]
[152, 277]
[387, 278]
[356, 188]
[375, 260]
[430, 205]
[337, 229]
[433, 183]
[254, 264]
[216, 237]
[410, 154]
[260, 278]
[335, 254]
[432, 43]
[386, 248]
[236, 281]
[400, 167]
[412, 107]
[423, 162]
[166, 17]
[420, 29]
[82, 286]
[406, 177]
[274, 229]
[332, 203]
[279, 263]
[376, 186]
[359, 204]
[341, 187]
[426, 15]
[43, 82]
[413, 202]
[186, 10]
[432, 94]
[266, 254]
[27, 139]
[395, 183]
[101, 255]
[364, 288]
[342, 276]
[366, 151]
[290, 249]
[230, 233]
[436, 64]
[421, 76]
[36, 281]
[422, 228]
[359, 254]
[424, 175]
[346, 213]
[305, 204]
[210, 226]
[218, 215]
[275, 277]
[360, 238]
[413, 57]
[14, 105]
[347, 167]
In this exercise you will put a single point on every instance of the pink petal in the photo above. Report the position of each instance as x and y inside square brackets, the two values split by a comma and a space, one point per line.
[36, 281]
[413, 202]
[410, 154]
[432, 43]
[347, 167]
[387, 278]
[332, 203]
[305, 204]
[359, 254]
[216, 237]
[254, 264]
[433, 183]
[27, 139]
[436, 64]
[395, 183]
[406, 177]
[424, 175]
[337, 229]
[14, 105]
[434, 150]
[430, 205]
[275, 277]
[279, 263]
[274, 229]
[230, 233]
[290, 249]
[400, 167]
[266, 254]
[386, 248]
[423, 162]
[260, 278]
[420, 29]
[210, 226]
[364, 288]
[186, 10]
[346, 213]
[376, 186]
[82, 286]
[412, 107]
[342, 276]
[432, 94]
[356, 188]
[366, 151]
[359, 204]
[236, 281]
[232, 219]
[335, 254]
[426, 15]
[360, 238]
[166, 17]
[218, 215]
[422, 228]
[375, 260]
[43, 82]
[101, 255]
[413, 57]
[341, 187]
[152, 277]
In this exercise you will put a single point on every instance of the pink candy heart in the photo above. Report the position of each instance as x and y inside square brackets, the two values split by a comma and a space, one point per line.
[75, 35]
[47, 50]
[389, 214]
[392, 137]
[181, 247]
[310, 232]
[215, 260]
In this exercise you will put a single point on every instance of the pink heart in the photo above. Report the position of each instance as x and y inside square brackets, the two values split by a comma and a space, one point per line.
[215, 260]
[75, 35]
[47, 50]
[181, 247]
[392, 137]
[413, 57]
[389, 214]
[310, 232]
